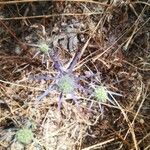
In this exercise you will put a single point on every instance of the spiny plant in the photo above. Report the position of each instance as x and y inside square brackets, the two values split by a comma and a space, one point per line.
[103, 95]
[65, 81]
[66, 84]
[24, 135]
[43, 50]
[43, 46]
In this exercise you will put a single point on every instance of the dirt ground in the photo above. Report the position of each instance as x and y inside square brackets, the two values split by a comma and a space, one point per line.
[95, 43]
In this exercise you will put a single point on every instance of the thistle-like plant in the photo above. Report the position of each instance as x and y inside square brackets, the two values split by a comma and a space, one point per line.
[65, 81]
[43, 47]
[102, 95]
[66, 84]
[24, 135]
[43, 50]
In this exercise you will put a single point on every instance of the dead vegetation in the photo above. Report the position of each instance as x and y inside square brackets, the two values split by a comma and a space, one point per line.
[113, 39]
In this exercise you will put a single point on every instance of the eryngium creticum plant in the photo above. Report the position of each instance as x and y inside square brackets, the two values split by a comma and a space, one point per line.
[65, 81]
[43, 46]
[24, 135]
[101, 95]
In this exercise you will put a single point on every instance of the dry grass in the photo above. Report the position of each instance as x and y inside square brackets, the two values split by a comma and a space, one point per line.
[116, 47]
